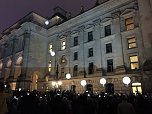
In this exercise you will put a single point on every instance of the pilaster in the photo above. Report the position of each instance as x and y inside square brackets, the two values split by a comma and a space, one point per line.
[98, 49]
[120, 63]
[82, 70]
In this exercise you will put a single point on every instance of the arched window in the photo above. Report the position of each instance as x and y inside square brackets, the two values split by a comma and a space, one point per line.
[9, 63]
[63, 59]
[19, 60]
[47, 78]
[1, 65]
[34, 81]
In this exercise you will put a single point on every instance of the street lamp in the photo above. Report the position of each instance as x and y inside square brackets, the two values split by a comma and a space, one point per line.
[103, 81]
[126, 80]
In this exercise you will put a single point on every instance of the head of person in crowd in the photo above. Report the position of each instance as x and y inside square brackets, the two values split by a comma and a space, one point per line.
[124, 98]
[1, 86]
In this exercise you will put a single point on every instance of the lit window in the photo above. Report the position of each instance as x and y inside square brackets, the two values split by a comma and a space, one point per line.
[136, 88]
[134, 62]
[46, 78]
[63, 60]
[50, 47]
[49, 66]
[129, 22]
[63, 45]
[131, 43]
[62, 72]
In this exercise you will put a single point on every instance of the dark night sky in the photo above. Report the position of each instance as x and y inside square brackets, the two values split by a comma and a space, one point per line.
[12, 10]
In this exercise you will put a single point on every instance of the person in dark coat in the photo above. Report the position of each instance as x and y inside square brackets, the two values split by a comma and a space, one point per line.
[125, 108]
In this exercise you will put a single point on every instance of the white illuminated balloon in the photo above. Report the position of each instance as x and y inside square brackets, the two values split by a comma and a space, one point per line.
[52, 53]
[126, 80]
[19, 89]
[46, 22]
[83, 83]
[103, 81]
[68, 76]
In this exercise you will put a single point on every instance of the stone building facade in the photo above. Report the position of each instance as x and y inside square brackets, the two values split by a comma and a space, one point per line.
[111, 40]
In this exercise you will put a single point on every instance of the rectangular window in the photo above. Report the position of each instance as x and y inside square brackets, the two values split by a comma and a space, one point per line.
[109, 48]
[50, 47]
[62, 72]
[75, 70]
[75, 55]
[63, 45]
[49, 66]
[90, 52]
[129, 23]
[110, 65]
[91, 68]
[90, 36]
[134, 62]
[107, 30]
[76, 41]
[131, 42]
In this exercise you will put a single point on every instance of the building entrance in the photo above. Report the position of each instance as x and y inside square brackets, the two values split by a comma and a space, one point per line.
[109, 88]
[89, 87]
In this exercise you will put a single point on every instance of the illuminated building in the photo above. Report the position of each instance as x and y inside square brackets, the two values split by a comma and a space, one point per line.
[112, 40]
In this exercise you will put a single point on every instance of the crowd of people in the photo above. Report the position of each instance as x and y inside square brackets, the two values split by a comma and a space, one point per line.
[68, 102]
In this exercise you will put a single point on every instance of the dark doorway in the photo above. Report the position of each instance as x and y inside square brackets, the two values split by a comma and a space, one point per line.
[109, 88]
[89, 87]
[73, 88]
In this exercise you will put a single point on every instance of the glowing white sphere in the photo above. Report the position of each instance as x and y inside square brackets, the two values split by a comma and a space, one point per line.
[126, 80]
[103, 81]
[52, 53]
[59, 83]
[5, 86]
[53, 83]
[83, 83]
[46, 22]
[19, 89]
[68, 76]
